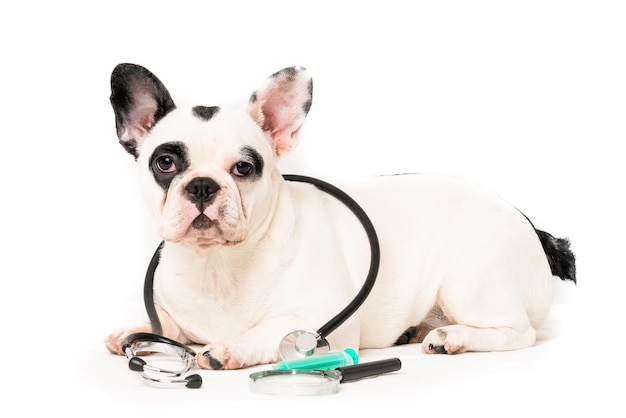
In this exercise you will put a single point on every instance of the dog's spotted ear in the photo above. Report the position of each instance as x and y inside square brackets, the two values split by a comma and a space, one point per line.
[280, 106]
[139, 100]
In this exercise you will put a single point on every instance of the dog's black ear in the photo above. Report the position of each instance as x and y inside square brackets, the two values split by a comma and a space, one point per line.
[139, 100]
[280, 106]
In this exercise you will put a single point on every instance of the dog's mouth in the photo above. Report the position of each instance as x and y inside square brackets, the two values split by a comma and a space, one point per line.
[220, 222]
[204, 238]
[202, 222]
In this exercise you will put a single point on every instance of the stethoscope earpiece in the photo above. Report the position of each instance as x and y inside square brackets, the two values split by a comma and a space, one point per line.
[136, 364]
[194, 381]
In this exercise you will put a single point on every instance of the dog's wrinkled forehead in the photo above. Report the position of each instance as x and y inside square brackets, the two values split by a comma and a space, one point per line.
[204, 139]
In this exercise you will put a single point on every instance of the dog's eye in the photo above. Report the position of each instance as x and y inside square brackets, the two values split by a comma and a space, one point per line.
[166, 164]
[242, 169]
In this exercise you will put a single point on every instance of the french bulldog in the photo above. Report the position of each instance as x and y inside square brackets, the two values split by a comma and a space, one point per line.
[248, 256]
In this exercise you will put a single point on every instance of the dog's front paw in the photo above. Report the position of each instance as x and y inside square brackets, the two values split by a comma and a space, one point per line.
[442, 341]
[217, 357]
[235, 355]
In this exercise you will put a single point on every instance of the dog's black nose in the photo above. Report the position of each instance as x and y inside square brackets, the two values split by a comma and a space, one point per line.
[201, 189]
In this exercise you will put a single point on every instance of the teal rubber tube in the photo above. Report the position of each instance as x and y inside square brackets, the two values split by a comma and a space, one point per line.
[328, 361]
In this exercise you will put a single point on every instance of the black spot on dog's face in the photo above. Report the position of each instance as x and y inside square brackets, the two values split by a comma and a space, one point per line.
[167, 161]
[205, 113]
[250, 166]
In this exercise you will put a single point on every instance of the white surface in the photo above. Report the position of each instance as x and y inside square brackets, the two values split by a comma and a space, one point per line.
[545, 379]
[528, 99]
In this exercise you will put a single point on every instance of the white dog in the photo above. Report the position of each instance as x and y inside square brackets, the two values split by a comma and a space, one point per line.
[249, 257]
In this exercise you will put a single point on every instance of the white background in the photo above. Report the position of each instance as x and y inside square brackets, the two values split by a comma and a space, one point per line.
[527, 98]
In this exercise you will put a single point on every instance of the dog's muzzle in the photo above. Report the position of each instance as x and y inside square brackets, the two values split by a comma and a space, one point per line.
[201, 191]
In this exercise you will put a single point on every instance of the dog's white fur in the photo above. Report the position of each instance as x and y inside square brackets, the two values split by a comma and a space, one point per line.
[276, 256]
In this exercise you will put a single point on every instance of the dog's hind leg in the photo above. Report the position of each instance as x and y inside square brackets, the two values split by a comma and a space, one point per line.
[460, 338]
[493, 325]
[436, 318]
[506, 330]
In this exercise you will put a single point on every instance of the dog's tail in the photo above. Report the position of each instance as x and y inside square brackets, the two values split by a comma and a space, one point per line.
[560, 256]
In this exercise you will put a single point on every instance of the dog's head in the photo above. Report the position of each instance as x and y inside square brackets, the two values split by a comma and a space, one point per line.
[208, 171]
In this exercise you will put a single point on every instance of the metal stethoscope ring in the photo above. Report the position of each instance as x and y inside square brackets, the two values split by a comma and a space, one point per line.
[149, 343]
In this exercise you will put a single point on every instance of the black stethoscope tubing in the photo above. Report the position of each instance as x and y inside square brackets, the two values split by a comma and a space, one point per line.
[338, 319]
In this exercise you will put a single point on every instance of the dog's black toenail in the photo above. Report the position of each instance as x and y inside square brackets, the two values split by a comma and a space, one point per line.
[215, 364]
[439, 349]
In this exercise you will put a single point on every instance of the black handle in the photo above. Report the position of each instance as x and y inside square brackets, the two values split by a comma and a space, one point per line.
[373, 368]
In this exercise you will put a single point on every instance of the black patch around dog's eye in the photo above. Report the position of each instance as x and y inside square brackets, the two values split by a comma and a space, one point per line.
[250, 157]
[205, 112]
[167, 161]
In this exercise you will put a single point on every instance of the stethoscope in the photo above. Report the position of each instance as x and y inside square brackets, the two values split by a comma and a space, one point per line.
[296, 344]
[148, 343]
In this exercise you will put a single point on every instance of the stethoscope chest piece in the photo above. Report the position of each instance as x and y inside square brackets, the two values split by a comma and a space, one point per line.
[300, 344]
